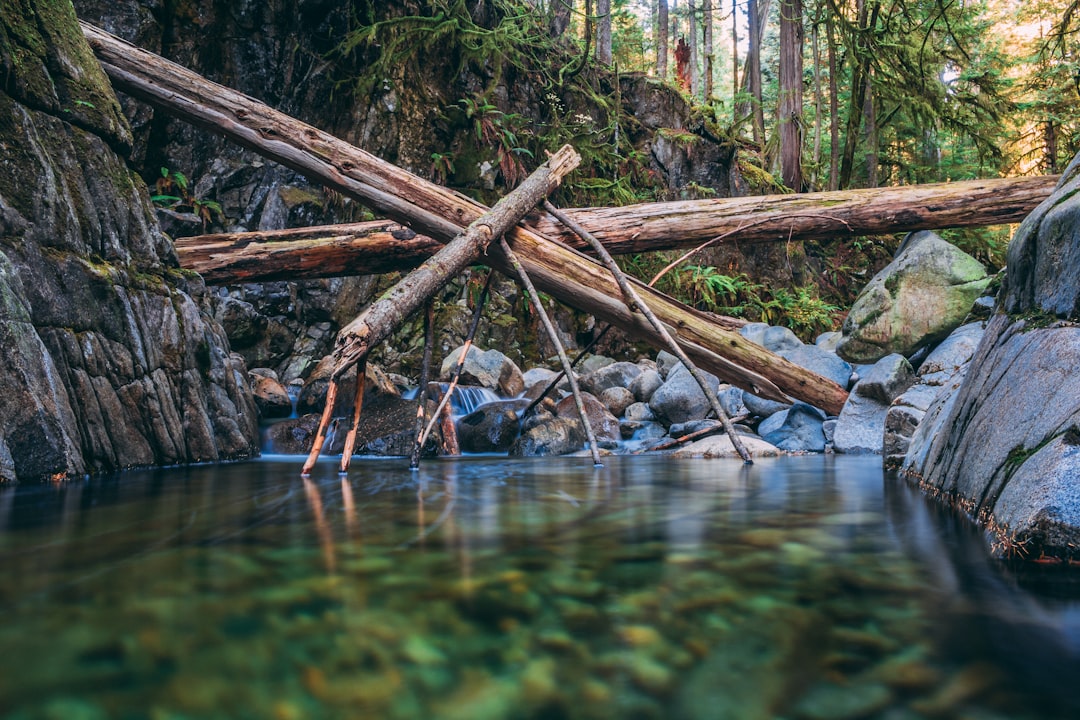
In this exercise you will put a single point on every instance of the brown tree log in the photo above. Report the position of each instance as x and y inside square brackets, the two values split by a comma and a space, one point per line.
[713, 342]
[384, 246]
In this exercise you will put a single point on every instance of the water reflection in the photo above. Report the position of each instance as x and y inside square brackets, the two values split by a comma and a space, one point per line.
[798, 587]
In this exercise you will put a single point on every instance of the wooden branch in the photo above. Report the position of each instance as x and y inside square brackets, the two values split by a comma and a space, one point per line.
[384, 246]
[560, 271]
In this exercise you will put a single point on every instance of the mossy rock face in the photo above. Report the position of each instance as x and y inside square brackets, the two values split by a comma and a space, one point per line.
[917, 300]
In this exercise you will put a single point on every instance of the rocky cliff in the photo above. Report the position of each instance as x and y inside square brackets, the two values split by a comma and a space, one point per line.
[110, 358]
[1006, 446]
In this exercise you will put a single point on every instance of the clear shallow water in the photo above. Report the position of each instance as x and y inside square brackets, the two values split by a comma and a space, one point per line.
[808, 587]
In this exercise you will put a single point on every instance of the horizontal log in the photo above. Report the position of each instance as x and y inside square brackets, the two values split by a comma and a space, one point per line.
[556, 269]
[384, 246]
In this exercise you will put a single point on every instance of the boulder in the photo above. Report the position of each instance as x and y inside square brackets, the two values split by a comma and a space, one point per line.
[719, 446]
[665, 363]
[639, 411]
[605, 426]
[916, 300]
[645, 384]
[271, 397]
[616, 400]
[860, 429]
[799, 430]
[486, 368]
[491, 428]
[818, 360]
[547, 434]
[619, 374]
[778, 339]
[760, 407]
[1005, 444]
[680, 398]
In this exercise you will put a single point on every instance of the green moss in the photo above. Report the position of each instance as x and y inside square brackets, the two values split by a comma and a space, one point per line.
[679, 137]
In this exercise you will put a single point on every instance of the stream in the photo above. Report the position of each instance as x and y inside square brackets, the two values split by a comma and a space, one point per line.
[799, 587]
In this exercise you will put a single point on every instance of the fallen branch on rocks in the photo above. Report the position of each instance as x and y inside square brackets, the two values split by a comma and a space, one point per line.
[696, 435]
[383, 245]
[357, 339]
[712, 341]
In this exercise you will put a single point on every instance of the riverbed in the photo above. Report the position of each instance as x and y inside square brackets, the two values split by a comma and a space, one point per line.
[799, 587]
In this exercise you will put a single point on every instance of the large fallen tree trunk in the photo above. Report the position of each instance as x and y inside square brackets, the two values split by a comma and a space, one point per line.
[560, 271]
[381, 246]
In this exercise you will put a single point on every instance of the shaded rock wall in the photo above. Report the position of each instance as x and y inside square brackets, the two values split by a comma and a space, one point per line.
[1006, 446]
[110, 358]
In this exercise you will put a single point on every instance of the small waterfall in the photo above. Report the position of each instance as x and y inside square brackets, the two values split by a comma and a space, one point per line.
[467, 398]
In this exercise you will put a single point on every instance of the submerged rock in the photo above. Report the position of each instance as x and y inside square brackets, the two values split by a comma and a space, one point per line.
[917, 300]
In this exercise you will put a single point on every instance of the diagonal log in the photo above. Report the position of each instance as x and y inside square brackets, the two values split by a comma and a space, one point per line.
[560, 271]
[383, 245]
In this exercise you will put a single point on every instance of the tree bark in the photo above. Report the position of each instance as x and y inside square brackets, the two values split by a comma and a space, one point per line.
[385, 246]
[662, 24]
[560, 17]
[712, 341]
[603, 32]
[790, 101]
[707, 23]
[834, 107]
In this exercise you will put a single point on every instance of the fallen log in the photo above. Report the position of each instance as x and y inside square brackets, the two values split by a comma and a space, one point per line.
[713, 342]
[384, 246]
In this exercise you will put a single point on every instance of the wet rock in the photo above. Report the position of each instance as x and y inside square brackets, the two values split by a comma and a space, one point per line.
[605, 426]
[680, 398]
[548, 435]
[486, 368]
[271, 397]
[536, 380]
[860, 429]
[800, 429]
[918, 299]
[641, 431]
[490, 428]
[719, 446]
[293, 437]
[618, 374]
[645, 384]
[639, 411]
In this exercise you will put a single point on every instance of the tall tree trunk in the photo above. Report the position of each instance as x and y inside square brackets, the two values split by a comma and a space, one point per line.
[790, 110]
[1050, 141]
[870, 111]
[735, 102]
[560, 13]
[662, 24]
[834, 107]
[695, 49]
[707, 18]
[603, 32]
[815, 42]
[867, 19]
[756, 13]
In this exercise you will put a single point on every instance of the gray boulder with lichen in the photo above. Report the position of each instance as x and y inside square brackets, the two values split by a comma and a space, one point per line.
[915, 301]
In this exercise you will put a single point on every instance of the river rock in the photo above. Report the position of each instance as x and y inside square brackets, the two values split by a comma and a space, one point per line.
[616, 400]
[828, 340]
[680, 398]
[271, 397]
[605, 426]
[1006, 441]
[665, 363]
[645, 384]
[755, 332]
[799, 430]
[719, 446]
[486, 368]
[547, 434]
[916, 300]
[618, 374]
[860, 428]
[760, 407]
[818, 360]
[490, 428]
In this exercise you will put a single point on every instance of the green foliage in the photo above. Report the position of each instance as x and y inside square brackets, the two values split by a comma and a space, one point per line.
[988, 245]
[173, 191]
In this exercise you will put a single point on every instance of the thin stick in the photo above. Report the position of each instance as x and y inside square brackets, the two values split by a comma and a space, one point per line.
[324, 423]
[535, 297]
[358, 405]
[451, 446]
[634, 301]
[562, 373]
[456, 373]
[425, 375]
